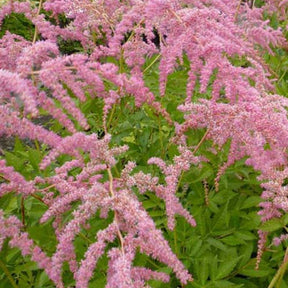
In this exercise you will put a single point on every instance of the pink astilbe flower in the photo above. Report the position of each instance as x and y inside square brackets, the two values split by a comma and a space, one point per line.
[12, 84]
[65, 249]
[167, 192]
[142, 233]
[94, 252]
[88, 143]
[10, 228]
[144, 182]
[49, 105]
[15, 182]
[119, 273]
[261, 245]
[277, 6]
[11, 124]
[130, 218]
[11, 47]
[32, 57]
[54, 83]
[141, 273]
[248, 125]
[278, 240]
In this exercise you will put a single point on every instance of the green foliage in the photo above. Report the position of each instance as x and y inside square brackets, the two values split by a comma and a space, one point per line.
[17, 24]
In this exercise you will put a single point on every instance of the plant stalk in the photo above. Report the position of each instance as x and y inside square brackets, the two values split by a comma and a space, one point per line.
[8, 274]
[280, 273]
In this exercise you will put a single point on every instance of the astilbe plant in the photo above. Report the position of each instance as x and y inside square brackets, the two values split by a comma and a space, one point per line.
[242, 108]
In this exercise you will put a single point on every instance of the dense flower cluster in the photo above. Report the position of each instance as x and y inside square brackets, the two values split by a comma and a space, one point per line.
[242, 108]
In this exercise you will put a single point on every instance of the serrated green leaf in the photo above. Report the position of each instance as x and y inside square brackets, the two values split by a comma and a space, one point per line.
[148, 204]
[245, 251]
[263, 271]
[204, 271]
[255, 273]
[34, 158]
[285, 219]
[213, 207]
[13, 160]
[99, 282]
[29, 266]
[213, 267]
[251, 221]
[201, 222]
[206, 172]
[18, 146]
[156, 213]
[217, 243]
[221, 220]
[245, 235]
[245, 282]
[140, 260]
[227, 267]
[195, 247]
[13, 255]
[232, 240]
[252, 201]
[42, 280]
[271, 225]
[8, 203]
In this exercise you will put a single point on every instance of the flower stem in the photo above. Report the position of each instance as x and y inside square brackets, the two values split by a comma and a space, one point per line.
[36, 30]
[116, 217]
[201, 141]
[280, 273]
[8, 274]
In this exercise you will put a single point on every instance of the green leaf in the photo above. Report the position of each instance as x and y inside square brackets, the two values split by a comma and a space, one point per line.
[255, 273]
[26, 267]
[217, 243]
[245, 235]
[271, 225]
[225, 284]
[202, 221]
[13, 160]
[226, 267]
[42, 280]
[285, 219]
[99, 282]
[13, 255]
[251, 221]
[140, 260]
[232, 240]
[205, 173]
[18, 146]
[34, 158]
[245, 251]
[202, 269]
[8, 203]
[252, 201]
[221, 220]
[243, 282]
[264, 270]
[213, 267]
[195, 247]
